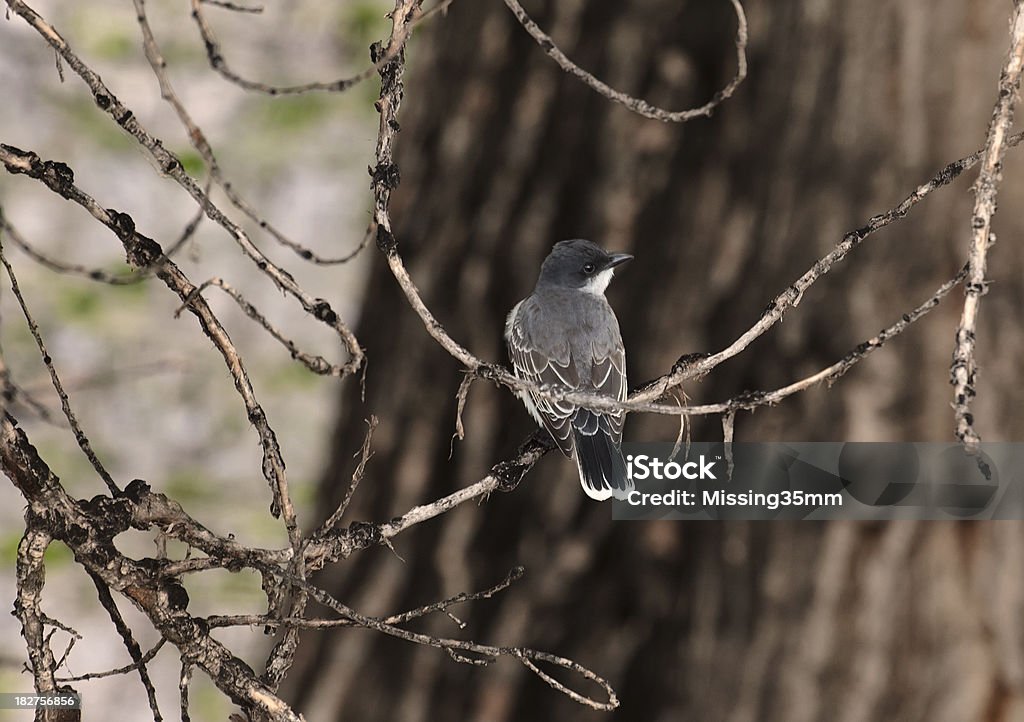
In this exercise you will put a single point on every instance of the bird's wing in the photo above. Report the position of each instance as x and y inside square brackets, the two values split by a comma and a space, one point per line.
[608, 378]
[544, 367]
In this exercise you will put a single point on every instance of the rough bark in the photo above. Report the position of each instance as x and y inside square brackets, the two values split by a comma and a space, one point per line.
[847, 108]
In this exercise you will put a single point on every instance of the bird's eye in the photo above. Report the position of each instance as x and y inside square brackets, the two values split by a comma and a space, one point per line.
[589, 268]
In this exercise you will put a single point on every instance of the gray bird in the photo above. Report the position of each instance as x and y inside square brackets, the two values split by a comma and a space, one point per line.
[566, 334]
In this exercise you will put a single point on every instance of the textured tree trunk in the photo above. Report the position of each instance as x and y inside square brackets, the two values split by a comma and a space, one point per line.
[849, 105]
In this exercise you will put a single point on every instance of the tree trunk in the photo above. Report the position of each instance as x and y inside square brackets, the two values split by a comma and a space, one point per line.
[848, 106]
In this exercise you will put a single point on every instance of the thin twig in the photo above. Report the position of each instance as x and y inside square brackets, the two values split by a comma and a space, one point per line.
[753, 399]
[63, 627]
[461, 397]
[357, 476]
[514, 575]
[441, 7]
[65, 401]
[504, 476]
[253, 620]
[525, 655]
[256, 9]
[146, 659]
[215, 56]
[684, 426]
[315, 363]
[198, 139]
[637, 105]
[93, 274]
[125, 632]
[10, 393]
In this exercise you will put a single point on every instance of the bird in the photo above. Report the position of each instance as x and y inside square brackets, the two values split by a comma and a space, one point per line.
[565, 333]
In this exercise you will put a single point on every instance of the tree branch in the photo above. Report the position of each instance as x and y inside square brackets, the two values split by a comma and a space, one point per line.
[144, 252]
[963, 370]
[88, 529]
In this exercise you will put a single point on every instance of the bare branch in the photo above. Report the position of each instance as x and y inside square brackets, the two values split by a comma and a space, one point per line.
[514, 575]
[125, 632]
[317, 364]
[171, 166]
[93, 274]
[642, 107]
[199, 141]
[829, 374]
[165, 604]
[687, 367]
[233, 6]
[330, 547]
[963, 370]
[504, 475]
[146, 659]
[458, 648]
[219, 64]
[162, 599]
[261, 619]
[527, 657]
[144, 252]
[684, 425]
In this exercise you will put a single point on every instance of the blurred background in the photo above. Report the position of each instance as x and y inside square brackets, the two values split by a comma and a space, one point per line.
[847, 108]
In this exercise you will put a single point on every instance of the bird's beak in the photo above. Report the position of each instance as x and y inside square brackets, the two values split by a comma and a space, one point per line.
[617, 259]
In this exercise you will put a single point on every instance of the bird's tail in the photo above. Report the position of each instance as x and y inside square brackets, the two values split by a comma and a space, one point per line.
[602, 468]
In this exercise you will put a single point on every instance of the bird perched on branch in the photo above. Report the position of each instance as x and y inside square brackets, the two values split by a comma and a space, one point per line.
[566, 334]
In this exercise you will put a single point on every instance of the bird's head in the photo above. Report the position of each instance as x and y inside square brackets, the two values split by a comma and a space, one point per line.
[581, 265]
